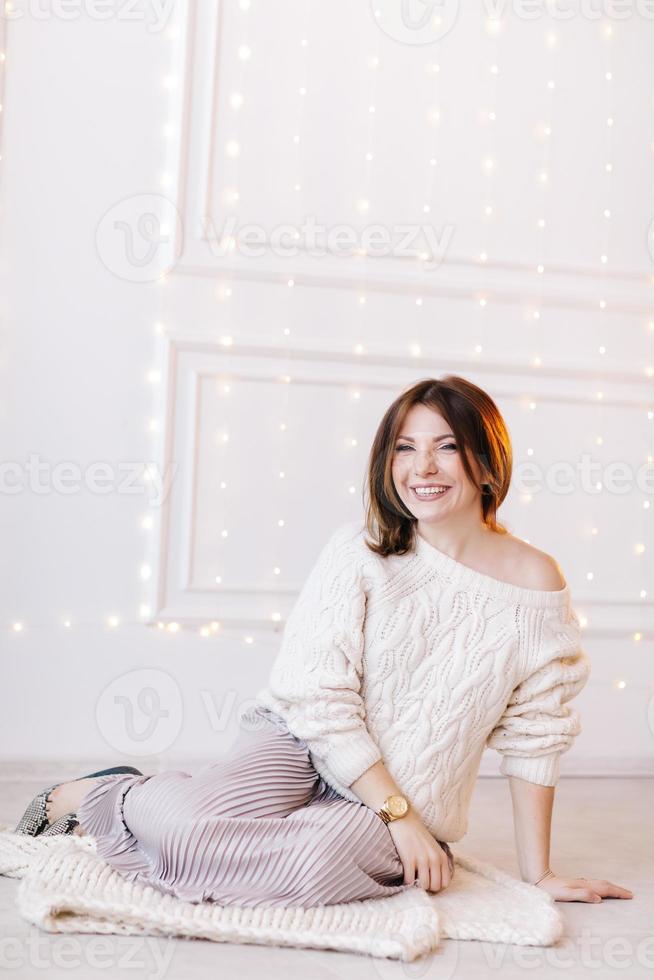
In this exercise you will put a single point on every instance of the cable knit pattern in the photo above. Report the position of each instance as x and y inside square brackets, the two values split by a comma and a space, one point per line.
[422, 661]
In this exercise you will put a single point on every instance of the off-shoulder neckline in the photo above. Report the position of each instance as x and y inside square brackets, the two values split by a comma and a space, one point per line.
[465, 575]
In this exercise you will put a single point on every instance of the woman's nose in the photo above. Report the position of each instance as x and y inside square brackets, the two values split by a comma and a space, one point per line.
[423, 460]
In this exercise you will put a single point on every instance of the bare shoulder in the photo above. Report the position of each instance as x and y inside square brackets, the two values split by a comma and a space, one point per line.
[537, 569]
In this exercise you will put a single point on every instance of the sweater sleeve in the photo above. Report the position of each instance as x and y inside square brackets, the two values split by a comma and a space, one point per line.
[537, 725]
[316, 676]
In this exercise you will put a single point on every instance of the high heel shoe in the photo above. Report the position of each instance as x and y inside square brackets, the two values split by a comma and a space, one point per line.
[34, 822]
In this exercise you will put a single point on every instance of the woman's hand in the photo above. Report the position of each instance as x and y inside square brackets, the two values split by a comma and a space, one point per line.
[423, 858]
[582, 889]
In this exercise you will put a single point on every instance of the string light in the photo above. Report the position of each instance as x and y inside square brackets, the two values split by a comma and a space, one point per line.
[234, 149]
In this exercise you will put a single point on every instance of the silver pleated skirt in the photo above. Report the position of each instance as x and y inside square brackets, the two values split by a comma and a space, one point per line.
[260, 827]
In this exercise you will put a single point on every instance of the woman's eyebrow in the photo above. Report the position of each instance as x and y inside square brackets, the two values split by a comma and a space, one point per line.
[448, 435]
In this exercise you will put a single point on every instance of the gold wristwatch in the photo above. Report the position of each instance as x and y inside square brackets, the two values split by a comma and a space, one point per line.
[393, 808]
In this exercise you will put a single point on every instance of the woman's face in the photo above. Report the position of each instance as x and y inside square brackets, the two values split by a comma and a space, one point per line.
[429, 456]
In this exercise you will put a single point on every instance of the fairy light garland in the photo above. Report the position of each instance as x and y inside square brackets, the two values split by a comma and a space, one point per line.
[231, 197]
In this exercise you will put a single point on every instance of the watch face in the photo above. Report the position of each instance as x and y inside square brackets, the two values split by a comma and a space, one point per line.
[397, 805]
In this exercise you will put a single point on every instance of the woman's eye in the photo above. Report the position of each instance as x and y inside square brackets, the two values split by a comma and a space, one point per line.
[448, 445]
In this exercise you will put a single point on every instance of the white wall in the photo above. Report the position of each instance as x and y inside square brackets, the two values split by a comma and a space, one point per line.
[105, 120]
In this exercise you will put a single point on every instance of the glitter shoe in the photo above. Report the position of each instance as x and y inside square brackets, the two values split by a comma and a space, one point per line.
[34, 821]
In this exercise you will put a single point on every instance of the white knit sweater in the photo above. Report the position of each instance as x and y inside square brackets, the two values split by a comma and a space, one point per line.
[422, 661]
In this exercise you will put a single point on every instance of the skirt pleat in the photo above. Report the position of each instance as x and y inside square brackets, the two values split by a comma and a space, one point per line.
[260, 827]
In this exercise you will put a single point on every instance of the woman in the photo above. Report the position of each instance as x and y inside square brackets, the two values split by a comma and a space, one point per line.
[403, 657]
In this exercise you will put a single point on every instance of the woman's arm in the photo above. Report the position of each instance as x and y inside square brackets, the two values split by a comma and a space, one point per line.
[532, 819]
[423, 858]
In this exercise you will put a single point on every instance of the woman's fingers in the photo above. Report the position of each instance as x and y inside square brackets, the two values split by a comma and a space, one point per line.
[436, 882]
[606, 889]
[432, 871]
[426, 876]
[582, 894]
[446, 872]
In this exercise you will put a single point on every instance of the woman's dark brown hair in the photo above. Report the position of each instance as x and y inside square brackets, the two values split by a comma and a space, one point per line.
[480, 433]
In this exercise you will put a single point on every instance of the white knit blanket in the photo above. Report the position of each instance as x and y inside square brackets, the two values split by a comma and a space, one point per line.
[66, 887]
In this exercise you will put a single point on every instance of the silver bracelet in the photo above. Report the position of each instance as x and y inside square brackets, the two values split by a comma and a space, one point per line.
[542, 877]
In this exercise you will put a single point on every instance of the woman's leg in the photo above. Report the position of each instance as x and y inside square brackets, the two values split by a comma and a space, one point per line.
[258, 828]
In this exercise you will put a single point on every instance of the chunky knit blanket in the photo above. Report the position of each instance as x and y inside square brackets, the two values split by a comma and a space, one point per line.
[66, 887]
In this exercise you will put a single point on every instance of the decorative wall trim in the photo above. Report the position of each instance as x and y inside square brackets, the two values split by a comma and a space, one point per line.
[460, 277]
[189, 361]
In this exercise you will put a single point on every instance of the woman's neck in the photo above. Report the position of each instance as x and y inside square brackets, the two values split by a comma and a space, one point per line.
[461, 539]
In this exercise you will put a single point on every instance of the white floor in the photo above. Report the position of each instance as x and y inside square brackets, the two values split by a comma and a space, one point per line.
[602, 828]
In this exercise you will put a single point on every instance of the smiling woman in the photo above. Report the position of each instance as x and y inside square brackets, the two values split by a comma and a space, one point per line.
[404, 657]
[442, 453]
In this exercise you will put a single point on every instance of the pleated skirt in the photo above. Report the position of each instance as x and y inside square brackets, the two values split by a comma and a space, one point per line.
[260, 827]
